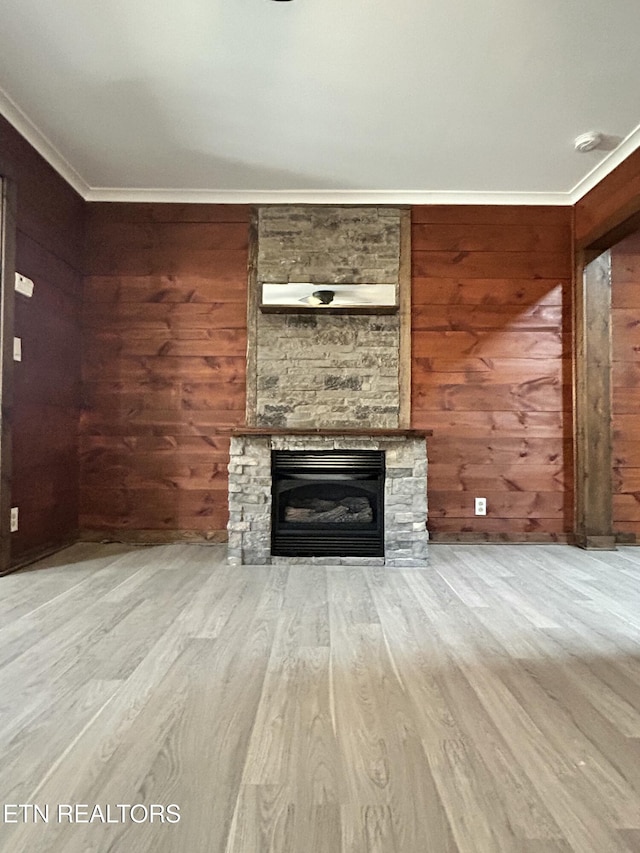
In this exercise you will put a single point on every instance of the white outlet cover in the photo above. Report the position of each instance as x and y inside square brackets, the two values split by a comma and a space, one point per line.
[17, 349]
[481, 506]
[14, 519]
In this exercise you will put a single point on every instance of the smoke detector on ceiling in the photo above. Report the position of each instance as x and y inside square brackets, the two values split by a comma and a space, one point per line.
[588, 141]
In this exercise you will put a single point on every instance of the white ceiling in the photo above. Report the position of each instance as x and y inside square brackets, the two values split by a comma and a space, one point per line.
[254, 100]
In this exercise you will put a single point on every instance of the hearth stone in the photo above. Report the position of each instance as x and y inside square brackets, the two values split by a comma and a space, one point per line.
[405, 513]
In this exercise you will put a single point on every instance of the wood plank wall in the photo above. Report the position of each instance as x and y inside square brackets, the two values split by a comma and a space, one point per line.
[625, 390]
[164, 360]
[164, 349]
[601, 214]
[491, 368]
[47, 381]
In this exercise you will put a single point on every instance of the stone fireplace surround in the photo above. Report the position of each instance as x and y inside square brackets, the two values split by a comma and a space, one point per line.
[338, 370]
[322, 382]
[405, 500]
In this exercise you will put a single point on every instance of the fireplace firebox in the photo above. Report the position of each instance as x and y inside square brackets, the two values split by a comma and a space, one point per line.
[327, 503]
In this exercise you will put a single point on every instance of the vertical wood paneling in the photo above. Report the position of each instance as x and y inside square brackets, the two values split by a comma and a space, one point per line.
[491, 368]
[46, 384]
[625, 382]
[164, 355]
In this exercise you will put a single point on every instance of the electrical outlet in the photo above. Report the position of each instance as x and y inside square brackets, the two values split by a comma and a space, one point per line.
[481, 506]
[17, 349]
[14, 519]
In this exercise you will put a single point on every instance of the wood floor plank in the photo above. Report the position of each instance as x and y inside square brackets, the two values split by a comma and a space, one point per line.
[489, 704]
[46, 587]
[616, 796]
[264, 820]
[486, 670]
[427, 827]
[28, 755]
[466, 741]
[368, 829]
[215, 737]
[572, 803]
[451, 806]
[525, 811]
[307, 591]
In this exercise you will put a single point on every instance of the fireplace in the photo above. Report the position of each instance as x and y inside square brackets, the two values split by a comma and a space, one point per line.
[284, 483]
[327, 502]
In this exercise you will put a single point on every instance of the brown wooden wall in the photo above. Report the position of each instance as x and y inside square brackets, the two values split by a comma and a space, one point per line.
[603, 212]
[164, 349]
[164, 358]
[625, 387]
[491, 371]
[47, 382]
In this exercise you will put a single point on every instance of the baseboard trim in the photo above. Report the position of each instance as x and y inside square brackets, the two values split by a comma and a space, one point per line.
[627, 539]
[153, 537]
[596, 543]
[502, 538]
[31, 557]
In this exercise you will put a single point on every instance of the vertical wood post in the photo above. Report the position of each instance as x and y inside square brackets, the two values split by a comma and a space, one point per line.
[404, 303]
[253, 298]
[592, 403]
[7, 299]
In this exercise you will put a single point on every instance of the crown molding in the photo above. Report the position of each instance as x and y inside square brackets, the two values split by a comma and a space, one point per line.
[401, 197]
[628, 145]
[14, 115]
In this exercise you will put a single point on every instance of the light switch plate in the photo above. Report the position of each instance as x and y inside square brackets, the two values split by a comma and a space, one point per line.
[17, 349]
[24, 285]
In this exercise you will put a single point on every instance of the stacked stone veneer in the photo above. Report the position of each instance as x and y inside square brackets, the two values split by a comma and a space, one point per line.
[330, 371]
[405, 498]
[334, 370]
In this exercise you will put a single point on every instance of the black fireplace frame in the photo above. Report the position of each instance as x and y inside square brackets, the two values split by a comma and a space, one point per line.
[358, 469]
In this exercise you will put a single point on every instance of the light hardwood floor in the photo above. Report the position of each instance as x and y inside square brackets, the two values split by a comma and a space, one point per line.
[490, 703]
